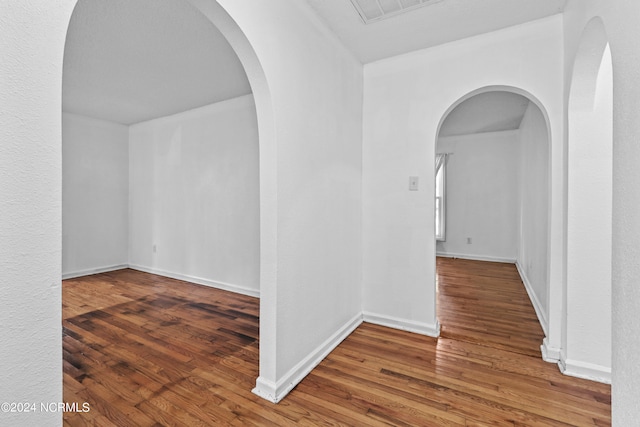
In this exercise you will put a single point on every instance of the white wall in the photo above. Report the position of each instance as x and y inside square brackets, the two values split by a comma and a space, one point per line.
[620, 24]
[621, 27]
[95, 195]
[404, 100]
[32, 34]
[587, 349]
[533, 249]
[194, 195]
[311, 296]
[482, 196]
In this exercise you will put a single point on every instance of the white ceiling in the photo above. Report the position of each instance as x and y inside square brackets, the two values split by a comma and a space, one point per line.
[486, 112]
[132, 60]
[441, 22]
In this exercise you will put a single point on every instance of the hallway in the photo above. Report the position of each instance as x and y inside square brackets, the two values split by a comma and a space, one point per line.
[486, 303]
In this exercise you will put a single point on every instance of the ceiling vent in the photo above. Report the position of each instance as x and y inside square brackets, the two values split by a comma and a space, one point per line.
[375, 10]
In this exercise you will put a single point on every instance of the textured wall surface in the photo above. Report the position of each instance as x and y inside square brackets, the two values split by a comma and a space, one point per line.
[620, 24]
[31, 44]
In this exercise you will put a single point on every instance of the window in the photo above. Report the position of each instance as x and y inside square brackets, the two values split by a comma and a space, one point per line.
[441, 161]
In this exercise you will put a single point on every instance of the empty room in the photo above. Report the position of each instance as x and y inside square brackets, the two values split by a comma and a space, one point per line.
[315, 212]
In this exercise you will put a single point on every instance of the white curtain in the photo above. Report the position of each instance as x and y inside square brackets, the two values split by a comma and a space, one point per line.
[440, 215]
[440, 159]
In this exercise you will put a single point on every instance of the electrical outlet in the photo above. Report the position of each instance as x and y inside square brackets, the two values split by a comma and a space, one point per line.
[413, 183]
[154, 249]
[468, 240]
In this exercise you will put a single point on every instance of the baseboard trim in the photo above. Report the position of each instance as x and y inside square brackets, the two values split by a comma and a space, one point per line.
[275, 392]
[267, 390]
[198, 280]
[537, 306]
[429, 329]
[550, 354]
[476, 257]
[587, 371]
[90, 271]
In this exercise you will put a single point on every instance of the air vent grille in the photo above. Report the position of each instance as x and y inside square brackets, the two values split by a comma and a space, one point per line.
[375, 10]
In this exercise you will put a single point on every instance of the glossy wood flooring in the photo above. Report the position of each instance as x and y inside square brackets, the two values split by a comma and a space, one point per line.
[145, 350]
[486, 303]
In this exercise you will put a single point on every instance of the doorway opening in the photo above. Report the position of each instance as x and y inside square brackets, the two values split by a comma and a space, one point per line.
[160, 147]
[198, 201]
[494, 146]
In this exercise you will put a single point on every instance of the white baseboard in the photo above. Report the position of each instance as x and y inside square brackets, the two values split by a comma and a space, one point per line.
[90, 271]
[537, 306]
[587, 371]
[429, 329]
[267, 390]
[198, 280]
[476, 257]
[550, 354]
[275, 392]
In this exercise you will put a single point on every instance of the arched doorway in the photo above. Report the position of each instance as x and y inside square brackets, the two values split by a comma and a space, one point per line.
[217, 14]
[160, 147]
[497, 143]
[587, 323]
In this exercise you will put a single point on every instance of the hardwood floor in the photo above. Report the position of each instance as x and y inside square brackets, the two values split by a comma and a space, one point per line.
[145, 350]
[486, 303]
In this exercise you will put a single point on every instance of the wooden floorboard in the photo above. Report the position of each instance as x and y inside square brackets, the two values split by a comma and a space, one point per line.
[145, 350]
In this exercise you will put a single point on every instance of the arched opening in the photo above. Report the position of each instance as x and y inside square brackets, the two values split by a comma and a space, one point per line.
[496, 141]
[160, 147]
[261, 173]
[587, 314]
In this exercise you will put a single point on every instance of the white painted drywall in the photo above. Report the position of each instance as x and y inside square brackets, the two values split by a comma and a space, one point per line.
[32, 34]
[194, 196]
[95, 195]
[534, 209]
[482, 195]
[316, 95]
[404, 100]
[589, 204]
[620, 24]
